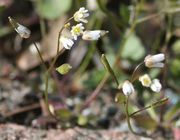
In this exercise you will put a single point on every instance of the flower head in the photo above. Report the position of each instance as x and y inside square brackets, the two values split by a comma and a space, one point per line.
[127, 88]
[145, 80]
[77, 30]
[81, 14]
[66, 42]
[156, 85]
[93, 35]
[23, 31]
[154, 60]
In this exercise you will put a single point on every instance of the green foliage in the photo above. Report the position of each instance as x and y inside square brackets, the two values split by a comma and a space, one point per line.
[82, 120]
[171, 113]
[175, 67]
[133, 48]
[120, 98]
[93, 78]
[52, 9]
[145, 122]
[124, 13]
[63, 114]
[176, 47]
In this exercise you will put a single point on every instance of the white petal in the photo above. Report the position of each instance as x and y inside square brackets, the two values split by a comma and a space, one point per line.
[93, 35]
[80, 15]
[158, 57]
[127, 88]
[82, 9]
[158, 65]
[66, 42]
[75, 37]
[156, 85]
[83, 20]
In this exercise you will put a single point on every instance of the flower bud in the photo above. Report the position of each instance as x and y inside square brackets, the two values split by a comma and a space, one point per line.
[154, 60]
[156, 85]
[127, 88]
[23, 31]
[93, 35]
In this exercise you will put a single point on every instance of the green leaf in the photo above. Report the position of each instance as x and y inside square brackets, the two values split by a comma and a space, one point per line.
[176, 47]
[120, 98]
[82, 120]
[92, 78]
[64, 68]
[175, 67]
[145, 122]
[52, 9]
[133, 48]
[63, 114]
[172, 112]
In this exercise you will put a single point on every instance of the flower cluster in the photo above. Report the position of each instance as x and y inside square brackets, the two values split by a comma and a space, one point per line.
[150, 61]
[79, 30]
[155, 85]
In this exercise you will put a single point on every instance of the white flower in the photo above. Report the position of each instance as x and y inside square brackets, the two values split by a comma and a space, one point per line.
[154, 60]
[93, 35]
[81, 14]
[127, 88]
[156, 85]
[23, 31]
[66, 42]
[145, 80]
[77, 30]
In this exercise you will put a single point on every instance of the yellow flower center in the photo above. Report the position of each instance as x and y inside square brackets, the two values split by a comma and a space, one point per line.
[77, 30]
[146, 81]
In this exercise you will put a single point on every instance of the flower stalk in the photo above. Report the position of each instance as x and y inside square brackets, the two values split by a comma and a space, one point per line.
[40, 56]
[108, 68]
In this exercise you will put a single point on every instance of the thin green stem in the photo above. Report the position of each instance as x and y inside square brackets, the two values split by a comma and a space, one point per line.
[49, 71]
[108, 68]
[60, 31]
[156, 104]
[40, 56]
[129, 121]
[127, 115]
[47, 82]
[134, 72]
